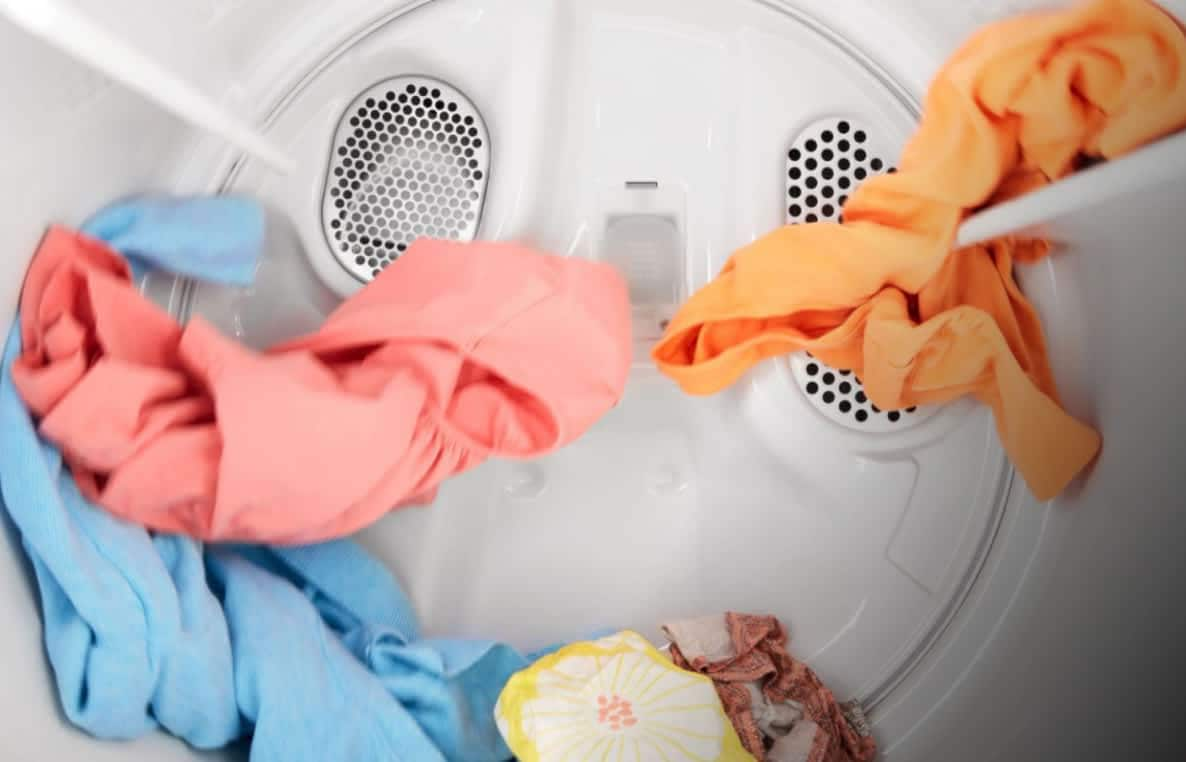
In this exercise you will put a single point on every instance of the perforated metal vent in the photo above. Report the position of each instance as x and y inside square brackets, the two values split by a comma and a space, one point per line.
[411, 159]
[826, 162]
[840, 396]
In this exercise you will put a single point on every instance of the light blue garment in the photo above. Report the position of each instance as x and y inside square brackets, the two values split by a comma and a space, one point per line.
[313, 651]
[215, 238]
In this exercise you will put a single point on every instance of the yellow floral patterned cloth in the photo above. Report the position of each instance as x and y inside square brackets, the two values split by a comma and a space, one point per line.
[615, 699]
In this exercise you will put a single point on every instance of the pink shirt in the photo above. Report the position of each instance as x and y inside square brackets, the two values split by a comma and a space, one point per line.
[456, 352]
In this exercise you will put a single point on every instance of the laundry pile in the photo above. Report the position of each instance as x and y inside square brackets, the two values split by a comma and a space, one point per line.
[129, 442]
[729, 690]
[314, 651]
[1024, 102]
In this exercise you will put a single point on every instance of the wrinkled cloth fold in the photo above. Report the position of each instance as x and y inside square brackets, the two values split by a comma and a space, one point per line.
[216, 238]
[313, 651]
[781, 709]
[1017, 106]
[456, 352]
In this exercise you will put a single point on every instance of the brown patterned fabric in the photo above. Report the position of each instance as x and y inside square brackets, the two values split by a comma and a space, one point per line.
[855, 714]
[760, 655]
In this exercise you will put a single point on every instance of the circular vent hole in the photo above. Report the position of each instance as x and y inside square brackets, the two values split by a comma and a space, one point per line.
[825, 163]
[392, 171]
[828, 160]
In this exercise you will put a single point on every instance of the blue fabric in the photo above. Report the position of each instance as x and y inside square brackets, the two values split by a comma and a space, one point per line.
[215, 238]
[313, 651]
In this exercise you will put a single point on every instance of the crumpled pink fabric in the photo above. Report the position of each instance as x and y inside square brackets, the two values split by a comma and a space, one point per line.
[455, 353]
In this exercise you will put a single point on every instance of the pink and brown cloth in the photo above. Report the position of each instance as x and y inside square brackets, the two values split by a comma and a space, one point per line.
[780, 708]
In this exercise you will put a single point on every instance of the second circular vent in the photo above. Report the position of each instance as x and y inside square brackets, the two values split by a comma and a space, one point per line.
[826, 162]
[410, 159]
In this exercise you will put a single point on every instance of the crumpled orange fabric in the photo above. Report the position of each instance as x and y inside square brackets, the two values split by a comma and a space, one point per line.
[883, 295]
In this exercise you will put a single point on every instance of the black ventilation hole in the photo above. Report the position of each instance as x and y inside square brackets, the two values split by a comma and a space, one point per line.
[812, 369]
[845, 406]
[829, 379]
[846, 388]
[813, 388]
[829, 397]
[843, 128]
[862, 416]
[894, 416]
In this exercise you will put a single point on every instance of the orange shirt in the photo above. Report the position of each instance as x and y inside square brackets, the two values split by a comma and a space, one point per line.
[885, 296]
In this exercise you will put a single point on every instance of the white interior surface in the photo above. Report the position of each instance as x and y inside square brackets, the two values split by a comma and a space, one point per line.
[977, 628]
[668, 507]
